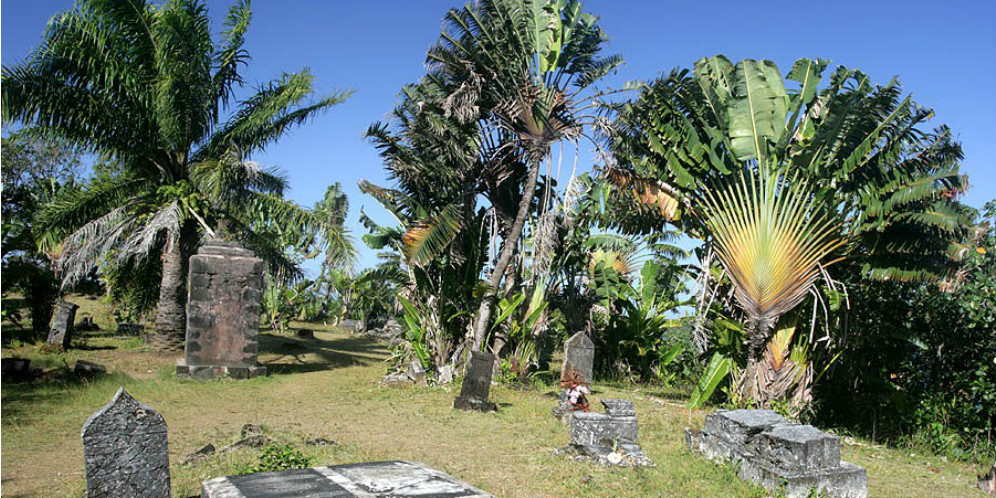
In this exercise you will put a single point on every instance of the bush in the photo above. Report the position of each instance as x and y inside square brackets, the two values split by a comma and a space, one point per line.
[280, 457]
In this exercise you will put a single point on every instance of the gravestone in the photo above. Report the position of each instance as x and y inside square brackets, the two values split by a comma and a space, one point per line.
[579, 357]
[362, 480]
[130, 329]
[477, 384]
[793, 458]
[16, 369]
[125, 451]
[61, 333]
[610, 438]
[226, 285]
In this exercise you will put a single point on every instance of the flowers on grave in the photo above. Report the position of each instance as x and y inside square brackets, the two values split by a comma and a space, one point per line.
[576, 390]
[615, 457]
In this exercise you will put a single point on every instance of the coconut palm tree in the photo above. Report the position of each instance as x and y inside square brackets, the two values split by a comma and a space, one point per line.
[146, 86]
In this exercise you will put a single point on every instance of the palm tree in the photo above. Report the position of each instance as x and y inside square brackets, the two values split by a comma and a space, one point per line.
[844, 172]
[520, 69]
[146, 86]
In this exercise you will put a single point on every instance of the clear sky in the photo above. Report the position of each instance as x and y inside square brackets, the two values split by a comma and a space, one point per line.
[944, 52]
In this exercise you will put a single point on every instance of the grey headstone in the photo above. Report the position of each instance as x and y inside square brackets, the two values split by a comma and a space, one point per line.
[61, 333]
[223, 307]
[619, 407]
[736, 426]
[477, 383]
[130, 329]
[125, 451]
[85, 368]
[601, 429]
[797, 447]
[579, 356]
[364, 480]
[16, 369]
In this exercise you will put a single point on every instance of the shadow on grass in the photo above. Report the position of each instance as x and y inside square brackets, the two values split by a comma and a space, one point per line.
[299, 355]
[54, 388]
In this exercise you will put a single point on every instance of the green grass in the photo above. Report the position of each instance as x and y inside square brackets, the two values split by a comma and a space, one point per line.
[328, 387]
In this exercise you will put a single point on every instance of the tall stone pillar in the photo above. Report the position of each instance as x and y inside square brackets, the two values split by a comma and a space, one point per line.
[223, 308]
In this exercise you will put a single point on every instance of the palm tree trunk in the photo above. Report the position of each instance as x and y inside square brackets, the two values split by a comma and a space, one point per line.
[508, 247]
[171, 314]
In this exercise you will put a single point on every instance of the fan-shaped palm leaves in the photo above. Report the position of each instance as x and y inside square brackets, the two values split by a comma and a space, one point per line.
[146, 86]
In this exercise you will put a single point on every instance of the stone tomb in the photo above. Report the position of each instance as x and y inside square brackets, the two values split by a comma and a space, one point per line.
[596, 436]
[61, 333]
[125, 451]
[579, 357]
[777, 454]
[226, 286]
[477, 384]
[363, 480]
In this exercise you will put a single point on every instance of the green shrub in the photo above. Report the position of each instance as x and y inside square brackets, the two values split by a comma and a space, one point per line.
[280, 457]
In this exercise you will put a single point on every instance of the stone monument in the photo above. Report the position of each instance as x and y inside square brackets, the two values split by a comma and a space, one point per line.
[610, 438]
[798, 459]
[125, 451]
[477, 384]
[579, 357]
[226, 286]
[61, 333]
[362, 480]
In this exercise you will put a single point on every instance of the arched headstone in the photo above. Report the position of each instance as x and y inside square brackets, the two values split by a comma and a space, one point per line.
[579, 357]
[125, 451]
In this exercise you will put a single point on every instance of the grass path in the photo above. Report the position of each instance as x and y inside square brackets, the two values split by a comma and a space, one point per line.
[328, 387]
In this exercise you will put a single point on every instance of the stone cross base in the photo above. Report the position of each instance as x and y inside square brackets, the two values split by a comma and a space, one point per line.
[779, 455]
[362, 480]
[207, 372]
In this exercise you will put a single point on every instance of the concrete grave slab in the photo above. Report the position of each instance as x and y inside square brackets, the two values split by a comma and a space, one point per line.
[396, 479]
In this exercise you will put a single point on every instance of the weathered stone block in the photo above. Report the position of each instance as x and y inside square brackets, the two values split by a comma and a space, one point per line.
[85, 368]
[579, 357]
[736, 426]
[226, 283]
[796, 447]
[477, 383]
[619, 407]
[61, 333]
[125, 451]
[845, 480]
[603, 429]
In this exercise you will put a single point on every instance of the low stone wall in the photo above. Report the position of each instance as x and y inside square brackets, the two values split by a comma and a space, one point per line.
[777, 454]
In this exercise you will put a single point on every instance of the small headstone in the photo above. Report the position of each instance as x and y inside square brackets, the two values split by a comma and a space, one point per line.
[305, 333]
[61, 333]
[351, 325]
[201, 454]
[16, 369]
[226, 286]
[362, 480]
[579, 357]
[130, 329]
[85, 368]
[416, 372]
[477, 383]
[125, 451]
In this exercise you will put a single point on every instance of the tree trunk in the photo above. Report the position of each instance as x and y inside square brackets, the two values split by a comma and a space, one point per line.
[483, 316]
[171, 314]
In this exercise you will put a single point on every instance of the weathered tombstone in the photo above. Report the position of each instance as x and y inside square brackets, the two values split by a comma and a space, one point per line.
[226, 285]
[85, 368]
[477, 383]
[610, 438]
[130, 329]
[16, 369]
[61, 333]
[795, 459]
[579, 357]
[125, 451]
[396, 479]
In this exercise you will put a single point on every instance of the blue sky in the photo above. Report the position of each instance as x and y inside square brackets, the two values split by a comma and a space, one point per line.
[943, 52]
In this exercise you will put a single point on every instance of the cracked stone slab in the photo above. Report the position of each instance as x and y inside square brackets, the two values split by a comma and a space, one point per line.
[395, 479]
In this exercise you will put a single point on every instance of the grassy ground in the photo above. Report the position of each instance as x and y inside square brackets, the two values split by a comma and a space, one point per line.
[328, 387]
